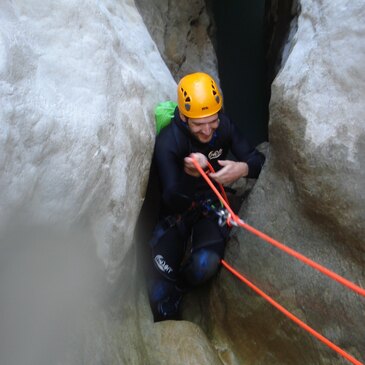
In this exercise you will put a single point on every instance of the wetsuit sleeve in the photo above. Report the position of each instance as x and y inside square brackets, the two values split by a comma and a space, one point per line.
[244, 152]
[177, 187]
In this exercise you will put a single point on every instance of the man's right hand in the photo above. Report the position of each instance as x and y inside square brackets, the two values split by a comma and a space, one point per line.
[190, 168]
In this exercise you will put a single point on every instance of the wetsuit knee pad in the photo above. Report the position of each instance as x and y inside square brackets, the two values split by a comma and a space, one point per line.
[164, 267]
[202, 265]
[168, 253]
[159, 289]
[165, 300]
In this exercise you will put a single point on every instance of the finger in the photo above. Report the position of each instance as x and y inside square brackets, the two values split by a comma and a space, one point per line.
[223, 171]
[188, 161]
[195, 155]
[224, 162]
[216, 175]
[216, 178]
[191, 172]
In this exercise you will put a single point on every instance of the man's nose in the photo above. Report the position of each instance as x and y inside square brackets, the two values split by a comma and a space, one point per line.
[206, 129]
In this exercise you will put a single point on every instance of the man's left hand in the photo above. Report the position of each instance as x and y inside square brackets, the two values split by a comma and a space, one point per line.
[230, 172]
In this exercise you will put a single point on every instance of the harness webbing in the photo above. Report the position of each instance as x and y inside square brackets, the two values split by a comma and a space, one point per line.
[234, 219]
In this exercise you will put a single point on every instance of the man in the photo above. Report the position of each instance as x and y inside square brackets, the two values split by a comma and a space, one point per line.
[188, 242]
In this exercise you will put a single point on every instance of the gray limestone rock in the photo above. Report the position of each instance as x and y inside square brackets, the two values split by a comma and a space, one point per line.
[181, 30]
[310, 196]
[78, 84]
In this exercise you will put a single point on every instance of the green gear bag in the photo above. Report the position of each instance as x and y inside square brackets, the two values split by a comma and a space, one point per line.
[164, 111]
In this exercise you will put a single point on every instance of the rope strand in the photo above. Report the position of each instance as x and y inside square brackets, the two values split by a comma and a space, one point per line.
[357, 289]
[292, 316]
[237, 221]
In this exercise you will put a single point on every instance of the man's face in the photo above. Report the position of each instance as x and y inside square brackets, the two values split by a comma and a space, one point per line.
[203, 128]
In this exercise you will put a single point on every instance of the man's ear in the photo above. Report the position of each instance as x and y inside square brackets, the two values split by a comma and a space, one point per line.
[183, 117]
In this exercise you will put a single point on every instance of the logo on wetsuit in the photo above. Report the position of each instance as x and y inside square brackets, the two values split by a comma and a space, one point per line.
[162, 265]
[215, 154]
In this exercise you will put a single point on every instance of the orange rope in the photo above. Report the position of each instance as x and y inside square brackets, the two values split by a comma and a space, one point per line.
[211, 169]
[277, 244]
[292, 316]
[236, 220]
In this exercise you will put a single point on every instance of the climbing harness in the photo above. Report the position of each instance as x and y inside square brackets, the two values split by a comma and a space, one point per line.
[200, 207]
[233, 219]
[223, 215]
[208, 207]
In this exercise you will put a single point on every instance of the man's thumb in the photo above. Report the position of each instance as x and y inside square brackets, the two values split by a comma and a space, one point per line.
[223, 162]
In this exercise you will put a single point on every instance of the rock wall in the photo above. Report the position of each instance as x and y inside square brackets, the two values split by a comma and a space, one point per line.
[76, 100]
[78, 82]
[311, 197]
[78, 85]
[76, 104]
[182, 32]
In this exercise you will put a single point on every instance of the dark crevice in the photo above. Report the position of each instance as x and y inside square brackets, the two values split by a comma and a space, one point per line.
[280, 26]
[250, 38]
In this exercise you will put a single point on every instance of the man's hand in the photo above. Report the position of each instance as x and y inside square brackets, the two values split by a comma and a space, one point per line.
[230, 172]
[189, 167]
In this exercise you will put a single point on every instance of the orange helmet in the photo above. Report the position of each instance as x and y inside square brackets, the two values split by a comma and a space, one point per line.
[198, 96]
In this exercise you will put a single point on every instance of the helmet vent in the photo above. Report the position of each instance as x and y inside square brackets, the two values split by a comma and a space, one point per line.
[187, 107]
[188, 99]
[214, 92]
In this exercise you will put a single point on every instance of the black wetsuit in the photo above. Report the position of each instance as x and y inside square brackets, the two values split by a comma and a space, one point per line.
[182, 217]
[175, 142]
